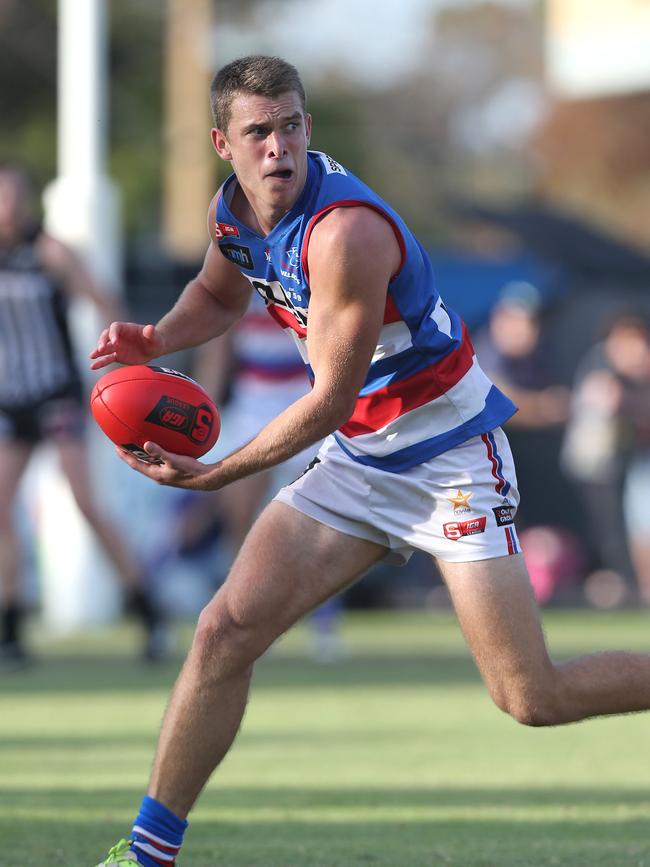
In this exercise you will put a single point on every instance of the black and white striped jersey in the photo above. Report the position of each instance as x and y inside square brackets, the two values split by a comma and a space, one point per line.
[36, 358]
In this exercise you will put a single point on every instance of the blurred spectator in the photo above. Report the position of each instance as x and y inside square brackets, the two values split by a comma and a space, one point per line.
[515, 354]
[607, 453]
[41, 398]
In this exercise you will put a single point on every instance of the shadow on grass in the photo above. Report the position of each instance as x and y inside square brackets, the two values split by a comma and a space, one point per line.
[98, 674]
[515, 827]
[362, 798]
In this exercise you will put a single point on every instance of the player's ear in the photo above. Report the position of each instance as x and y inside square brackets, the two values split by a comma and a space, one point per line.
[308, 127]
[220, 144]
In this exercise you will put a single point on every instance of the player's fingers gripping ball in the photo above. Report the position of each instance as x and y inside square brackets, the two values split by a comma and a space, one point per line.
[139, 403]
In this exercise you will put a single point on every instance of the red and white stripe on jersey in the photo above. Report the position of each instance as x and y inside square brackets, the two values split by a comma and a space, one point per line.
[416, 409]
[286, 319]
[427, 404]
[394, 337]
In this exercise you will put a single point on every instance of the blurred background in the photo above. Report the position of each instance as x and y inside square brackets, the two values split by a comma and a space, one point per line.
[511, 136]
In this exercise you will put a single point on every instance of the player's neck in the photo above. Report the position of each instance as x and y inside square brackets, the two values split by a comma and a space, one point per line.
[255, 214]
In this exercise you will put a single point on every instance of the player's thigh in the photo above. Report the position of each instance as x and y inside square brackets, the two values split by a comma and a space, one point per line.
[499, 617]
[288, 564]
[14, 457]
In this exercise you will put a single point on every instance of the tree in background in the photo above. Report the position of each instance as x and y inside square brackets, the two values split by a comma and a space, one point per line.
[461, 123]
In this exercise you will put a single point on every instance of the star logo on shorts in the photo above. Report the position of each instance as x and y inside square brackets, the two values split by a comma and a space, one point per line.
[461, 501]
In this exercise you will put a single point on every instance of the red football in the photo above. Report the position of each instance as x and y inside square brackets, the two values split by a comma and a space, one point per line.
[139, 403]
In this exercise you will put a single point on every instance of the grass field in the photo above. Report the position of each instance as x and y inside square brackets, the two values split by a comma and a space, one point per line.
[393, 757]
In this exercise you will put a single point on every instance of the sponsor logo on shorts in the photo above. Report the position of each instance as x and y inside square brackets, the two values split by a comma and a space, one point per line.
[455, 530]
[504, 514]
[461, 501]
[195, 422]
[238, 255]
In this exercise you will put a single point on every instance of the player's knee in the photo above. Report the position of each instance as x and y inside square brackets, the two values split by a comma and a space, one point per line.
[222, 643]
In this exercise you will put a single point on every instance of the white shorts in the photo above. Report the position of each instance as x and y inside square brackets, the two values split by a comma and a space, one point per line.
[459, 506]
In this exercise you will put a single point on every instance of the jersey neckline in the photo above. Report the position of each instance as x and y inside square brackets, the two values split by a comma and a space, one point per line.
[296, 209]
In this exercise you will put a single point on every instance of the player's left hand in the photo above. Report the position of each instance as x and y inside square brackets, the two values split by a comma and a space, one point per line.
[178, 471]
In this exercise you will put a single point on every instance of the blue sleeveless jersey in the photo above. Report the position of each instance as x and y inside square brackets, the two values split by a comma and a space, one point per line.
[424, 392]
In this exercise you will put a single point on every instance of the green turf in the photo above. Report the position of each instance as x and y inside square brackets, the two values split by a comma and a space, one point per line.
[393, 757]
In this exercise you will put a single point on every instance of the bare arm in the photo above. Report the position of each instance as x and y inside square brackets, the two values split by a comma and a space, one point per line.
[210, 303]
[352, 255]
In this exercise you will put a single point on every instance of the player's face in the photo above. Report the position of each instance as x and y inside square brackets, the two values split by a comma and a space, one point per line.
[266, 142]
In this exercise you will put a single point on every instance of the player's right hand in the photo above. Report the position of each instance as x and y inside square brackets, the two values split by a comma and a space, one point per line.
[127, 343]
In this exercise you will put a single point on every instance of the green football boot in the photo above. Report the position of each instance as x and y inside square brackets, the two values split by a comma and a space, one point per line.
[120, 856]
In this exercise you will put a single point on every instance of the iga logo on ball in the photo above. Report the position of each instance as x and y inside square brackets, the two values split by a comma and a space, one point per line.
[194, 421]
[140, 403]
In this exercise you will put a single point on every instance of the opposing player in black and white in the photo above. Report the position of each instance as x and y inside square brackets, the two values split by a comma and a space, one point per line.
[41, 399]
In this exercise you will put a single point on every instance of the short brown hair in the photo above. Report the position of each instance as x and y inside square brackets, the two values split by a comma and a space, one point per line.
[257, 73]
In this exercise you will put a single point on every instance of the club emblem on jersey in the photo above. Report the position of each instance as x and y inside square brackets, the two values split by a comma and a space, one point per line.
[461, 501]
[292, 258]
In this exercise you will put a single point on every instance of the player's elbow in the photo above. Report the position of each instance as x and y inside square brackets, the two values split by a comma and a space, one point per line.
[334, 409]
[532, 705]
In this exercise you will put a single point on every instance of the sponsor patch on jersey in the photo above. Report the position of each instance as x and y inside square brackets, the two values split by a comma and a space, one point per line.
[225, 230]
[455, 530]
[504, 514]
[331, 166]
[238, 255]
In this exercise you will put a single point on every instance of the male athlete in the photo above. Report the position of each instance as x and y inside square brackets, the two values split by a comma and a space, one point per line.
[414, 455]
